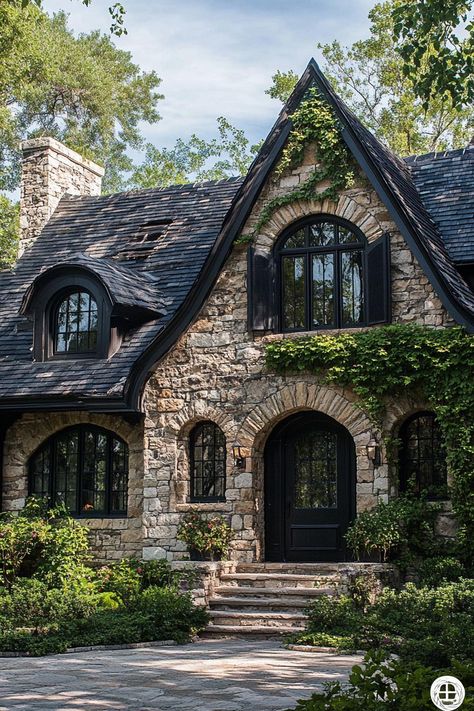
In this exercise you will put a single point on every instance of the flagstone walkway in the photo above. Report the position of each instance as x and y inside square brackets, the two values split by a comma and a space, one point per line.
[210, 675]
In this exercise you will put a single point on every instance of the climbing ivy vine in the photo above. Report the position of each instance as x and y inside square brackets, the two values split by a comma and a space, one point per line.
[384, 363]
[313, 122]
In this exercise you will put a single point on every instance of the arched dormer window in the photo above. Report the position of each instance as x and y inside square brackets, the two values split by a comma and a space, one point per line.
[321, 274]
[84, 467]
[422, 457]
[75, 324]
[208, 462]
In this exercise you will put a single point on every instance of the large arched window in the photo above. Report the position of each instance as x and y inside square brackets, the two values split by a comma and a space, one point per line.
[75, 324]
[322, 276]
[86, 468]
[422, 455]
[208, 462]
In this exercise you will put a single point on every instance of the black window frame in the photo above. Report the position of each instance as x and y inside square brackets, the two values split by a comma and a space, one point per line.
[60, 298]
[82, 429]
[438, 489]
[307, 252]
[192, 461]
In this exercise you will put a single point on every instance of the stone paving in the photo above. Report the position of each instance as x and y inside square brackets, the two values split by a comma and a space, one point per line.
[210, 675]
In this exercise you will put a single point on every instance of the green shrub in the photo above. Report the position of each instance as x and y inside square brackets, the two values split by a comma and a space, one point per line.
[121, 579]
[172, 613]
[384, 684]
[430, 626]
[402, 529]
[210, 535]
[438, 570]
[45, 543]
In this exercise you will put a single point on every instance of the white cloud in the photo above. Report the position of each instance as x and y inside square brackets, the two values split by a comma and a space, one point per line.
[217, 57]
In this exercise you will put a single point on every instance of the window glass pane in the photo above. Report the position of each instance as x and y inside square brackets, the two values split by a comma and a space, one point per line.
[293, 293]
[323, 290]
[75, 328]
[208, 461]
[295, 240]
[322, 234]
[315, 456]
[346, 236]
[423, 458]
[88, 472]
[351, 287]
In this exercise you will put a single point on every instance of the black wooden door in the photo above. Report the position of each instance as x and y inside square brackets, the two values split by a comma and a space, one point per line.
[309, 489]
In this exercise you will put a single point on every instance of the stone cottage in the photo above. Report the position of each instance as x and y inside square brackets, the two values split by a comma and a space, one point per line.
[133, 330]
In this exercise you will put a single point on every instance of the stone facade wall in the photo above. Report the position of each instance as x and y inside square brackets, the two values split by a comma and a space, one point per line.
[49, 170]
[111, 538]
[216, 372]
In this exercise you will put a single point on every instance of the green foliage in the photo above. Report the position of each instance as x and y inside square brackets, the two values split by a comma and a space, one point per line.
[436, 44]
[122, 579]
[369, 77]
[313, 122]
[426, 625]
[170, 613]
[402, 529]
[81, 90]
[282, 85]
[383, 363]
[9, 231]
[45, 543]
[436, 570]
[196, 160]
[386, 684]
[116, 12]
[209, 535]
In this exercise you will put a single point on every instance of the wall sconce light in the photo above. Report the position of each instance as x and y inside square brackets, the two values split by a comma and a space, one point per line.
[239, 459]
[374, 453]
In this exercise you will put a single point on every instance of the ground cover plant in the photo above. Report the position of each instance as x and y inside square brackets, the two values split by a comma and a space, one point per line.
[52, 599]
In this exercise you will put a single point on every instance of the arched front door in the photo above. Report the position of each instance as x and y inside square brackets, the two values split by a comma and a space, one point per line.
[309, 489]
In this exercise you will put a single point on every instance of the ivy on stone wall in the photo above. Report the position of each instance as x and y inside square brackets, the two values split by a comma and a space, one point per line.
[313, 122]
[384, 363]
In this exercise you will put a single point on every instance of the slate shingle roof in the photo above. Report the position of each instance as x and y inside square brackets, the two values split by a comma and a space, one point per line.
[101, 228]
[124, 286]
[445, 183]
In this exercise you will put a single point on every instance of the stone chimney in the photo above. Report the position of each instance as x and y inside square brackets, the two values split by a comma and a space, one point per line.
[49, 171]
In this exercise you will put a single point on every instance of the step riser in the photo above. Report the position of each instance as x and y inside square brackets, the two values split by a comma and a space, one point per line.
[307, 582]
[237, 591]
[271, 624]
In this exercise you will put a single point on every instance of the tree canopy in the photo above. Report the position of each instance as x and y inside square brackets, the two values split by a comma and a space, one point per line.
[81, 90]
[116, 12]
[436, 44]
[370, 77]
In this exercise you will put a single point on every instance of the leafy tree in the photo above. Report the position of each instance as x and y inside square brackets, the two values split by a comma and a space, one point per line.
[82, 90]
[436, 44]
[370, 77]
[116, 11]
[283, 84]
[9, 229]
[196, 159]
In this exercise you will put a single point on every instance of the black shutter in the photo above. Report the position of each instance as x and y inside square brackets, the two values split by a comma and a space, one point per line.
[260, 290]
[378, 281]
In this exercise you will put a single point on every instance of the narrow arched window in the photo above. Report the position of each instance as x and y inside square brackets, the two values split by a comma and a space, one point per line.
[208, 462]
[75, 324]
[422, 456]
[84, 467]
[322, 267]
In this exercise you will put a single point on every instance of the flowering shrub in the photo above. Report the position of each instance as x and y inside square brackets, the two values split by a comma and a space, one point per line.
[210, 536]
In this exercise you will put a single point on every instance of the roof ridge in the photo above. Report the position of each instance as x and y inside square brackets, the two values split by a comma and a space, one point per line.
[433, 155]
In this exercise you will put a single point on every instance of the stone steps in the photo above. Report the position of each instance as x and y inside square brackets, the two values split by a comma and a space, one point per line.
[268, 598]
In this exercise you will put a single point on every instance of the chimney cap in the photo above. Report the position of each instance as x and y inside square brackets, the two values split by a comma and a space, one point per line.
[34, 145]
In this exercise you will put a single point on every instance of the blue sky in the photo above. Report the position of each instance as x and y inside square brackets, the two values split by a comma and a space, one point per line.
[217, 57]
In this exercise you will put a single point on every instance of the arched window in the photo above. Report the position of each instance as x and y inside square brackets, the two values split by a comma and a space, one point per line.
[208, 462]
[75, 324]
[322, 276]
[86, 468]
[422, 455]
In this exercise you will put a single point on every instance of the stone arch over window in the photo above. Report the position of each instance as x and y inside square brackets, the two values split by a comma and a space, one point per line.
[85, 467]
[207, 448]
[422, 456]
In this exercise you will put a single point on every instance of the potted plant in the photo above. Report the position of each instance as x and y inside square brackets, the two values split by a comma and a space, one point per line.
[207, 538]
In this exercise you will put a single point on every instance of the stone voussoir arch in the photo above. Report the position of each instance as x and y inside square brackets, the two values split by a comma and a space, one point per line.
[348, 207]
[258, 424]
[182, 423]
